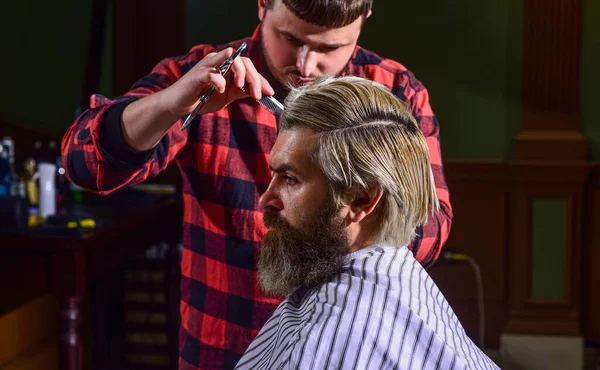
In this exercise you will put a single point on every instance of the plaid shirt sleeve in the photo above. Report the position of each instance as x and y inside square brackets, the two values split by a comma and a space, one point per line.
[93, 149]
[433, 235]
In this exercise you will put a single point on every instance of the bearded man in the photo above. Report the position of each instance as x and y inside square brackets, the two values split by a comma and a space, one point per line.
[351, 183]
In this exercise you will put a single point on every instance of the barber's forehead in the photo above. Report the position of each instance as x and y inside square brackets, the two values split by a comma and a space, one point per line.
[286, 20]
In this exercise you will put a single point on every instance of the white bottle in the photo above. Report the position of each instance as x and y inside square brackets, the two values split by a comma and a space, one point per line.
[47, 173]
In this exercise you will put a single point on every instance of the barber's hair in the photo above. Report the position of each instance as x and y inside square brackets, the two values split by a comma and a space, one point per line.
[367, 138]
[326, 13]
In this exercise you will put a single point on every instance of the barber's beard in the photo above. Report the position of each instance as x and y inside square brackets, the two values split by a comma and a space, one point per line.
[301, 257]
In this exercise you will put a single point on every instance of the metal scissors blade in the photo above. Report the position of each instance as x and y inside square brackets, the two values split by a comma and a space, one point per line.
[223, 68]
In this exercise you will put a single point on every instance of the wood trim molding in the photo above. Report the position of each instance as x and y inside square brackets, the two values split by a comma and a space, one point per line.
[553, 36]
[557, 172]
[479, 194]
[551, 82]
[595, 176]
[492, 203]
[495, 172]
[531, 315]
[554, 145]
[591, 256]
[550, 156]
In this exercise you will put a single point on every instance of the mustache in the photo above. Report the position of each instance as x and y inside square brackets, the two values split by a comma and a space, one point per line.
[273, 220]
[296, 73]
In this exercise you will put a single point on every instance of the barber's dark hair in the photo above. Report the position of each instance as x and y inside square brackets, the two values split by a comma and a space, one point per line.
[326, 13]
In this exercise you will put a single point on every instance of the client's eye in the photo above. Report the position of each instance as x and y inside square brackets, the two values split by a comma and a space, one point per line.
[290, 180]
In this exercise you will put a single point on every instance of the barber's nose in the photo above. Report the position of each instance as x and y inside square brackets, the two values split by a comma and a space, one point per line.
[306, 61]
[270, 198]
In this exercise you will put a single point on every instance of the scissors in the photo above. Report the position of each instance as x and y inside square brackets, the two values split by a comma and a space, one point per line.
[223, 68]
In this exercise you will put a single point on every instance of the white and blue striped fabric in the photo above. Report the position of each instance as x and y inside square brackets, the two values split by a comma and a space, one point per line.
[383, 311]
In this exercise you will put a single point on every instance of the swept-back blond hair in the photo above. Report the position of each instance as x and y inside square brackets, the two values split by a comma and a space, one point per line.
[368, 138]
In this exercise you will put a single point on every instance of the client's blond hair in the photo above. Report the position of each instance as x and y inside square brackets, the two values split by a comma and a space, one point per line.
[368, 138]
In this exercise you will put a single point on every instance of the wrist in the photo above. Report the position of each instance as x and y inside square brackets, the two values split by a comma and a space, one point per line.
[164, 107]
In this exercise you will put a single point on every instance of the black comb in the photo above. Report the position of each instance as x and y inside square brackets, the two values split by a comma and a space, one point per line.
[270, 103]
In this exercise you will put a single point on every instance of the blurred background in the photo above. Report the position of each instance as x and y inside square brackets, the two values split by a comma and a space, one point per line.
[513, 84]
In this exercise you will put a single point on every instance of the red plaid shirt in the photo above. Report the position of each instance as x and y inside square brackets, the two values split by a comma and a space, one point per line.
[223, 158]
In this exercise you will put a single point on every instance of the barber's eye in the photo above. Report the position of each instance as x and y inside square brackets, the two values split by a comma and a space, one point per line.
[293, 41]
[327, 49]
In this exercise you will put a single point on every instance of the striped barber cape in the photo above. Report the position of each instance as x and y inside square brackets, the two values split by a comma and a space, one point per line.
[382, 311]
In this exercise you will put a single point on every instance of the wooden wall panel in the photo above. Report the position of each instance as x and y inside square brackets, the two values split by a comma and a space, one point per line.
[479, 197]
[551, 82]
[491, 204]
[531, 181]
[591, 260]
[552, 59]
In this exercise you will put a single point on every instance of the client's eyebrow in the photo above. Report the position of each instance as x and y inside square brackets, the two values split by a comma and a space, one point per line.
[284, 167]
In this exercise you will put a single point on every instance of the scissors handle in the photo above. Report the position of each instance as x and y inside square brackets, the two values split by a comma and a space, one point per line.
[223, 68]
[193, 114]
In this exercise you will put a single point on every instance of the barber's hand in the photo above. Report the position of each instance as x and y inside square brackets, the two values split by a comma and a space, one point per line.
[181, 97]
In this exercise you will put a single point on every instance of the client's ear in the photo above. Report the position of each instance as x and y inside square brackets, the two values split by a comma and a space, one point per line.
[362, 202]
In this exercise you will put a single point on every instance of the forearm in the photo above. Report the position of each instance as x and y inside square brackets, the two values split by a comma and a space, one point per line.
[145, 121]
[95, 153]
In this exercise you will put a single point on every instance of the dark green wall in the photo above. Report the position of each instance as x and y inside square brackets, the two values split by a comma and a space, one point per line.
[467, 52]
[44, 51]
[210, 22]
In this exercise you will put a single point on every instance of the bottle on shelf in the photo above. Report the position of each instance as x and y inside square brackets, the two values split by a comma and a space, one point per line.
[12, 180]
[5, 175]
